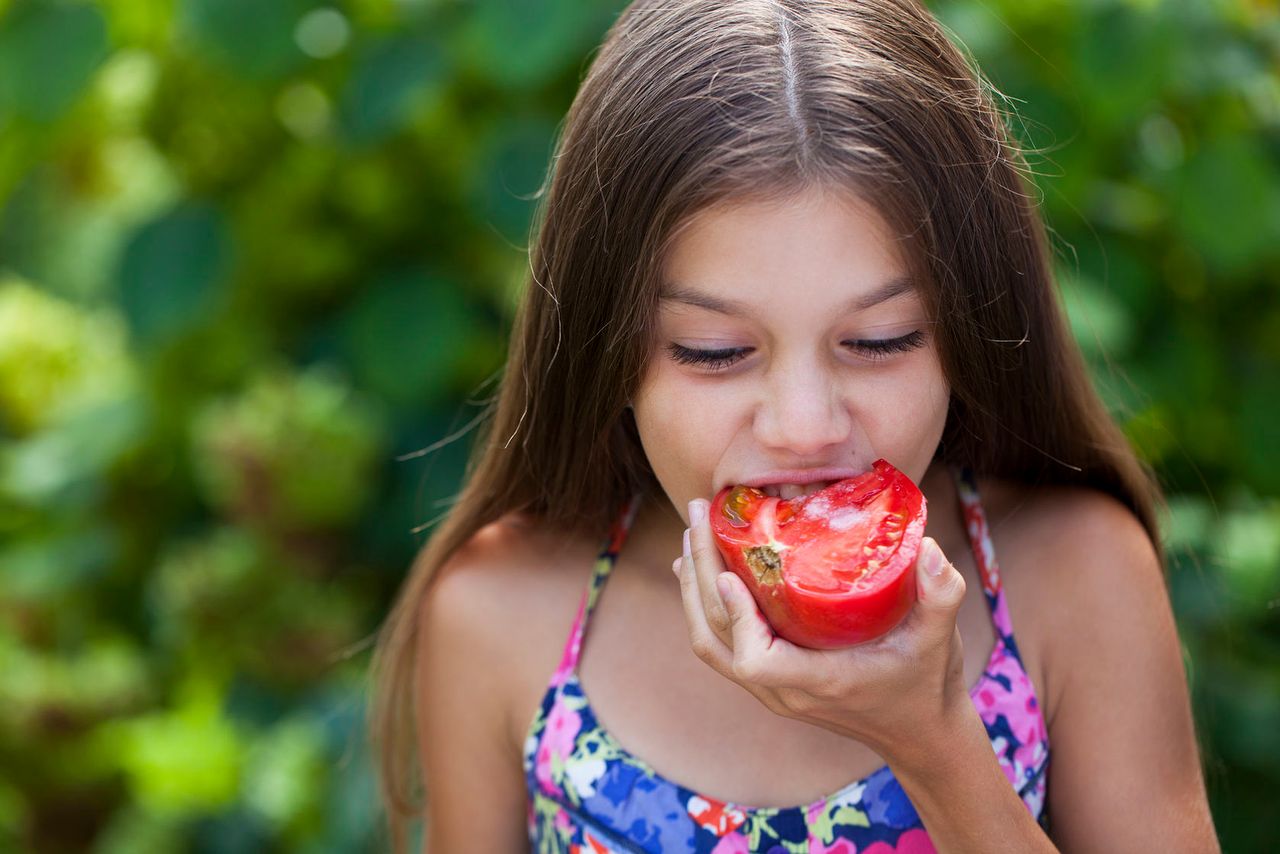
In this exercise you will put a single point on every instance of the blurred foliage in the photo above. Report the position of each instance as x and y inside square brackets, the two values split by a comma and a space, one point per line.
[255, 255]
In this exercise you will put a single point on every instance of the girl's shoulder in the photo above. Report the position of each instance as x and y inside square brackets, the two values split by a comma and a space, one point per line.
[1070, 559]
[1053, 515]
[1053, 530]
[517, 562]
[512, 589]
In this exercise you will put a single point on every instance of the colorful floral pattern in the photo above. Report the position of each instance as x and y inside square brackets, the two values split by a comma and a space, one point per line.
[588, 794]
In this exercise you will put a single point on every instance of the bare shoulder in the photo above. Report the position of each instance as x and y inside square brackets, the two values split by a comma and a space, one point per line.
[1068, 537]
[1071, 557]
[1059, 515]
[507, 564]
[482, 624]
[503, 603]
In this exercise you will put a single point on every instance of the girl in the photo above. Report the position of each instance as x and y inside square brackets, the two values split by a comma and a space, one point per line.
[783, 239]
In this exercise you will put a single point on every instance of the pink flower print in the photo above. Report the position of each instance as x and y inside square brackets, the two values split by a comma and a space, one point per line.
[1023, 716]
[562, 728]
[914, 841]
[570, 657]
[734, 843]
[994, 699]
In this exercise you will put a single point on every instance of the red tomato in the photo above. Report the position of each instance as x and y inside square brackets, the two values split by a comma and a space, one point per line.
[830, 569]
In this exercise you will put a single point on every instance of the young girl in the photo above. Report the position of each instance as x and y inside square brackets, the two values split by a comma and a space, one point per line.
[782, 240]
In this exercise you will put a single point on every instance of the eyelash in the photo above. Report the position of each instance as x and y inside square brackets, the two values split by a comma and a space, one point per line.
[716, 360]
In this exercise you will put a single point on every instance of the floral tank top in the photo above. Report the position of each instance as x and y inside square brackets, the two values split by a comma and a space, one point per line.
[587, 794]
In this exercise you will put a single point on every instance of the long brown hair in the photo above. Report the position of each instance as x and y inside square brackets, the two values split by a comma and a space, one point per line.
[693, 103]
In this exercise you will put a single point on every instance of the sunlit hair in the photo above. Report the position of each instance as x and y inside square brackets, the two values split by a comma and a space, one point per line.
[696, 102]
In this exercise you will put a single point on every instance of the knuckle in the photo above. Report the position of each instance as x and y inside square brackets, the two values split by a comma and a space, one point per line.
[826, 690]
[702, 647]
[795, 701]
[719, 620]
[748, 669]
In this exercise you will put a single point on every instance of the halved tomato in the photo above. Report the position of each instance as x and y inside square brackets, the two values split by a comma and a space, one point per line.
[830, 569]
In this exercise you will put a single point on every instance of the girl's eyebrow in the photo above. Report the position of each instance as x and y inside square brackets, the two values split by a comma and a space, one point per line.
[895, 287]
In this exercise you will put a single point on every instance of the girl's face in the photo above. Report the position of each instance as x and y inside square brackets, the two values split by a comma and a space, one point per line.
[788, 339]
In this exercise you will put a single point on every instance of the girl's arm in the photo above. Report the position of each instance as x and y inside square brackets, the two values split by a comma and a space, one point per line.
[1124, 770]
[472, 773]
[964, 798]
[1124, 774]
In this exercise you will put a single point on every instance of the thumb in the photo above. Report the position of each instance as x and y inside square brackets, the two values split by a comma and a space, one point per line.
[940, 586]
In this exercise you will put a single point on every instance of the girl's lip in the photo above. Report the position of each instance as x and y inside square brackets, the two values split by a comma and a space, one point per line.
[801, 476]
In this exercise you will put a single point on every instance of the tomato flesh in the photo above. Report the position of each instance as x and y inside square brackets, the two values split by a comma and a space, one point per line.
[830, 569]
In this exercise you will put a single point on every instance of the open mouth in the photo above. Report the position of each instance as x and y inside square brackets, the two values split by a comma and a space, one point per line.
[788, 491]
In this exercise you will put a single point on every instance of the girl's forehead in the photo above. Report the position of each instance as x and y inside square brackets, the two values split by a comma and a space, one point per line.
[807, 230]
[899, 287]
[808, 204]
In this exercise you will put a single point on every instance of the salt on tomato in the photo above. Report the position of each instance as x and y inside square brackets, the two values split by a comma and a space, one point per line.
[830, 569]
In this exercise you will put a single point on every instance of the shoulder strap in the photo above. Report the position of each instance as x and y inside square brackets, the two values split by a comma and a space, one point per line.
[605, 560]
[984, 554]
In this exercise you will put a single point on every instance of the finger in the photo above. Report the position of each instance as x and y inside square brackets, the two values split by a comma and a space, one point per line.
[701, 551]
[760, 657]
[706, 645]
[940, 590]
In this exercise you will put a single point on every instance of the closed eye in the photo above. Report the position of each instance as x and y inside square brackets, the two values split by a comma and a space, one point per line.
[874, 350]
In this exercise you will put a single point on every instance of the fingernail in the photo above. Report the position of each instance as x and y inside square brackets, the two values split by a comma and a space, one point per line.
[687, 550]
[933, 559]
[697, 512]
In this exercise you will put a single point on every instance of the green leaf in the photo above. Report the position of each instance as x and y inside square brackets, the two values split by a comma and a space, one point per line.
[48, 52]
[1228, 206]
[1258, 425]
[519, 44]
[171, 270]
[1099, 321]
[250, 38]
[391, 76]
[1185, 524]
[185, 761]
[1121, 57]
[284, 772]
[405, 336]
[1249, 547]
[510, 169]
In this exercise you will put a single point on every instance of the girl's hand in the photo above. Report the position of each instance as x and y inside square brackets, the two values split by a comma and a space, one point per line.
[890, 693]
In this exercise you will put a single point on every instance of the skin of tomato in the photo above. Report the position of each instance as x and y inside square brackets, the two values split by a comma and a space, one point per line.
[825, 621]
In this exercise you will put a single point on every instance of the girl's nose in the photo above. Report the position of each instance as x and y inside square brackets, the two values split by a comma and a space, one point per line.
[803, 413]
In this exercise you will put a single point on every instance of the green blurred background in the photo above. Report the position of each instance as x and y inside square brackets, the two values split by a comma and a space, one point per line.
[257, 255]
